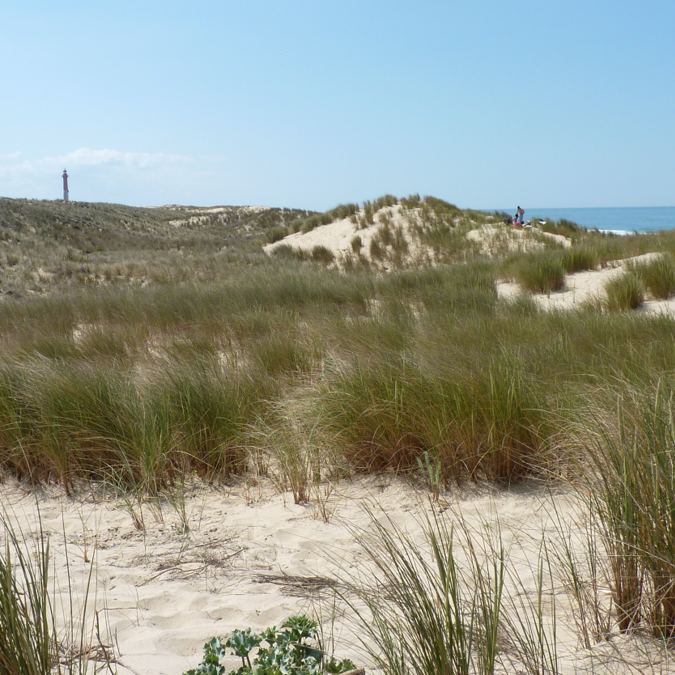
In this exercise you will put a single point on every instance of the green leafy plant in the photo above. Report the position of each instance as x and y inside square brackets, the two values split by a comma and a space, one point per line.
[289, 649]
[431, 471]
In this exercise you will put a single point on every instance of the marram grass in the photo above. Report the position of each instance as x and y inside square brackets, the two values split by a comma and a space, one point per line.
[658, 275]
[631, 492]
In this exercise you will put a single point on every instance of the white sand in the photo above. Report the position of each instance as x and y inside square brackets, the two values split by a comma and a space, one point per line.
[164, 592]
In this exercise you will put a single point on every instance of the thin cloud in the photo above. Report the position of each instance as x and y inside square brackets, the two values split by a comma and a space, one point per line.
[112, 175]
[11, 156]
[84, 157]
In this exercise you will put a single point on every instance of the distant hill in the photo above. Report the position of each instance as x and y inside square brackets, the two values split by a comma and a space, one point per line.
[51, 246]
[91, 226]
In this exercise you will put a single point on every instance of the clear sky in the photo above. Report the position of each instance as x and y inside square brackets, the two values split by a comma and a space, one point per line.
[309, 104]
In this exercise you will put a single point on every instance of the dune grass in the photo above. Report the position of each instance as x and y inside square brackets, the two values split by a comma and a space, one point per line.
[624, 292]
[236, 363]
[40, 632]
[58, 423]
[28, 644]
[632, 494]
[148, 383]
[390, 414]
[449, 596]
[540, 272]
[426, 614]
[658, 275]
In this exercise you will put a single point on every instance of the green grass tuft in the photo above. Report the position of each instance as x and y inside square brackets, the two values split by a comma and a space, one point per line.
[658, 275]
[624, 293]
[540, 272]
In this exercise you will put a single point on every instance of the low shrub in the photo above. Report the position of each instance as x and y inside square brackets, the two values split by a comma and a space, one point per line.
[580, 258]
[386, 200]
[58, 424]
[385, 234]
[275, 234]
[411, 202]
[28, 642]
[35, 637]
[309, 224]
[344, 211]
[377, 251]
[289, 253]
[386, 414]
[422, 611]
[399, 243]
[631, 493]
[566, 228]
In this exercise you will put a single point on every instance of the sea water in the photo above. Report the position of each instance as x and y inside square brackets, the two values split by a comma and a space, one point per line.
[619, 220]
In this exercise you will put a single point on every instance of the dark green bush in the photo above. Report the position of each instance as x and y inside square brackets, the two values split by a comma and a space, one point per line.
[275, 234]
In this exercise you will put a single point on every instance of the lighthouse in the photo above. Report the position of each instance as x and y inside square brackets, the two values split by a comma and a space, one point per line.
[65, 186]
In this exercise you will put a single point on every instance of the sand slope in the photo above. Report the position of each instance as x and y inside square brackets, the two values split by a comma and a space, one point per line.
[337, 237]
[252, 558]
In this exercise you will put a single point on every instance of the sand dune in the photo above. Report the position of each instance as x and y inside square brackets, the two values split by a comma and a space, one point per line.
[491, 240]
[337, 237]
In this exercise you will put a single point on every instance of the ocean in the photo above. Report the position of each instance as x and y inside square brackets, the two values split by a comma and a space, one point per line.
[618, 220]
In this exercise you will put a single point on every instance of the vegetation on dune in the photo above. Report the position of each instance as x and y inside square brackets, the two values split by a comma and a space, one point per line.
[657, 275]
[33, 637]
[47, 245]
[540, 272]
[630, 476]
[141, 383]
[144, 384]
[182, 348]
[624, 292]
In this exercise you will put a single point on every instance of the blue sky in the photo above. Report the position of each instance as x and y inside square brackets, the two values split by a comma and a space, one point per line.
[309, 104]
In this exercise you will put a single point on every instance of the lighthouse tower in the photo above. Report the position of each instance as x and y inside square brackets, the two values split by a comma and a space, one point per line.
[65, 186]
